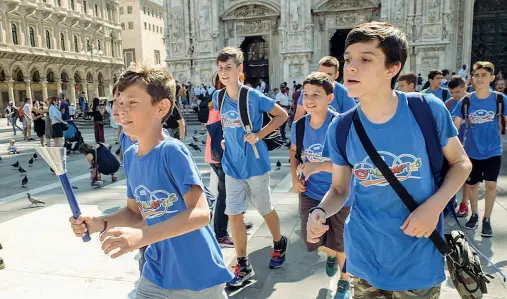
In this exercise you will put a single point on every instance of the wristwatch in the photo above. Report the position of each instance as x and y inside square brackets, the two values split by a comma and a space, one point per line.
[316, 208]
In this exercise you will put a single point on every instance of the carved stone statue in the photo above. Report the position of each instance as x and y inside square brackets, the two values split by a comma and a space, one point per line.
[294, 14]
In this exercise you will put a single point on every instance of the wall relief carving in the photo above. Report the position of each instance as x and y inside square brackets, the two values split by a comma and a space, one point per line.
[252, 10]
[254, 26]
[349, 4]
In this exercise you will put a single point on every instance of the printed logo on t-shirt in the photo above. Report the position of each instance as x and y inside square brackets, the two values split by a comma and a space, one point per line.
[481, 116]
[154, 204]
[314, 153]
[230, 119]
[404, 167]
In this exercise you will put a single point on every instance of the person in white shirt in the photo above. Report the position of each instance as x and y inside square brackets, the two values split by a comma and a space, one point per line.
[72, 111]
[28, 119]
[462, 73]
[263, 86]
[282, 100]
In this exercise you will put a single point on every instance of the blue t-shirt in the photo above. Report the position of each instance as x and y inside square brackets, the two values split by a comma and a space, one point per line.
[341, 102]
[158, 181]
[462, 128]
[125, 141]
[238, 159]
[66, 113]
[377, 249]
[482, 137]
[313, 145]
[439, 93]
[54, 113]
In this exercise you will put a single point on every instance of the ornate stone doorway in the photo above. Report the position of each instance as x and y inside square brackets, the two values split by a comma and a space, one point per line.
[489, 37]
[256, 64]
[337, 48]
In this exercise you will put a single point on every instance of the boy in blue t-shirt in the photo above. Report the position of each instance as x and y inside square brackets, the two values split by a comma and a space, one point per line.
[341, 102]
[482, 142]
[435, 77]
[313, 178]
[164, 189]
[245, 175]
[387, 247]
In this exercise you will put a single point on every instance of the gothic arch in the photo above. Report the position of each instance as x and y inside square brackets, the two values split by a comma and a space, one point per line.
[66, 70]
[251, 9]
[5, 68]
[81, 73]
[19, 65]
[37, 68]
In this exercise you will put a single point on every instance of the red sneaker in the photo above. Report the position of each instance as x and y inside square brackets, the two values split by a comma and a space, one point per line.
[463, 210]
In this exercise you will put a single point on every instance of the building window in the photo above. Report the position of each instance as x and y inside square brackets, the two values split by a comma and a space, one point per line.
[121, 11]
[98, 45]
[96, 10]
[112, 45]
[32, 37]
[131, 25]
[59, 2]
[88, 46]
[129, 9]
[157, 57]
[85, 7]
[149, 27]
[157, 29]
[145, 26]
[48, 40]
[62, 41]
[129, 57]
[144, 9]
[75, 44]
[14, 34]
[72, 4]
[123, 26]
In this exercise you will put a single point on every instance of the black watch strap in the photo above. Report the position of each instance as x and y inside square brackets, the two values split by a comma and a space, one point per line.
[316, 208]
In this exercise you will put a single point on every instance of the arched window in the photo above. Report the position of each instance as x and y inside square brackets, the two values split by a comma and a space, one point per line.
[32, 37]
[72, 4]
[88, 47]
[75, 44]
[14, 34]
[98, 45]
[62, 41]
[96, 10]
[85, 6]
[48, 40]
[112, 45]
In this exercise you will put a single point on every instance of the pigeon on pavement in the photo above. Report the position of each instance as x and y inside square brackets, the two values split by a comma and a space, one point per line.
[35, 155]
[34, 200]
[278, 164]
[195, 132]
[195, 139]
[203, 142]
[24, 181]
[21, 170]
[30, 162]
[15, 165]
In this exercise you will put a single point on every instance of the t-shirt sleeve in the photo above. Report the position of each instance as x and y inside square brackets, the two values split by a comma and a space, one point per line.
[445, 126]
[265, 104]
[293, 133]
[331, 146]
[186, 173]
[300, 99]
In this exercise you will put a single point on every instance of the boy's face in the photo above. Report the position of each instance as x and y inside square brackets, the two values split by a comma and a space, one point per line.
[138, 115]
[436, 81]
[315, 98]
[364, 70]
[229, 72]
[482, 79]
[404, 86]
[500, 85]
[330, 70]
[459, 92]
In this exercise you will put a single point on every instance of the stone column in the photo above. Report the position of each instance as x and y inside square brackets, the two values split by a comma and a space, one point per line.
[96, 89]
[58, 87]
[10, 83]
[110, 85]
[28, 88]
[44, 89]
[72, 86]
[85, 89]
[467, 34]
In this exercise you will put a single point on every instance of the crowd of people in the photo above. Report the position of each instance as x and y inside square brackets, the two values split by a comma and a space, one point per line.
[349, 143]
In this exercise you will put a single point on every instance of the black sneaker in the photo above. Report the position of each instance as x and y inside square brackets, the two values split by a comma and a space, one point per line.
[486, 228]
[278, 253]
[473, 222]
[242, 273]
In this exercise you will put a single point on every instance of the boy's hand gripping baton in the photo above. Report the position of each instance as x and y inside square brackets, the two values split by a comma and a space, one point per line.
[57, 159]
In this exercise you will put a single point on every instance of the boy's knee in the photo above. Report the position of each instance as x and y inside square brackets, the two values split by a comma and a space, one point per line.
[490, 186]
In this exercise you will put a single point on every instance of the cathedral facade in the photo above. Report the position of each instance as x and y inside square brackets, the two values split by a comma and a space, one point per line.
[283, 40]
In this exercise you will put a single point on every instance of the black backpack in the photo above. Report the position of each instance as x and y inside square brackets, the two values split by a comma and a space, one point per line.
[466, 106]
[274, 140]
[203, 113]
[300, 135]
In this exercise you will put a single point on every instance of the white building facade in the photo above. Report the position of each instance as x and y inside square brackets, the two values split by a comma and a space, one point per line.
[142, 23]
[283, 40]
[48, 47]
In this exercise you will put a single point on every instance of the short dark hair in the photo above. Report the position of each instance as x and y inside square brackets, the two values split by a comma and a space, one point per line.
[456, 81]
[445, 72]
[85, 148]
[433, 73]
[115, 88]
[320, 79]
[230, 53]
[411, 78]
[392, 42]
[329, 61]
[485, 65]
[157, 80]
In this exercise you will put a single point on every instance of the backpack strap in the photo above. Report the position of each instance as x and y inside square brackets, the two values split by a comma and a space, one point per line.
[444, 94]
[428, 126]
[244, 109]
[343, 130]
[300, 135]
[499, 104]
[221, 96]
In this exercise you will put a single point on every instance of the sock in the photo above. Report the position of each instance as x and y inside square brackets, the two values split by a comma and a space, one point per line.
[279, 243]
[243, 261]
[486, 219]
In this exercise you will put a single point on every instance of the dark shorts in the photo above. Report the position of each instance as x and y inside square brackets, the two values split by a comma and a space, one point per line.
[57, 130]
[487, 170]
[333, 238]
